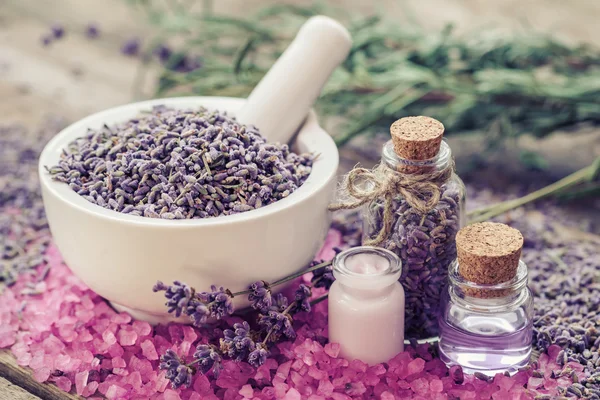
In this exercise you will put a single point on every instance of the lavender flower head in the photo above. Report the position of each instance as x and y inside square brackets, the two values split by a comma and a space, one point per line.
[58, 31]
[237, 344]
[47, 40]
[92, 31]
[218, 302]
[163, 53]
[260, 296]
[178, 296]
[177, 371]
[259, 355]
[208, 358]
[131, 47]
[322, 277]
[198, 312]
[302, 299]
[278, 321]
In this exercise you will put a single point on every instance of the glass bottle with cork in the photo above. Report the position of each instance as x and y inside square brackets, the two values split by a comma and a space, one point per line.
[413, 205]
[486, 320]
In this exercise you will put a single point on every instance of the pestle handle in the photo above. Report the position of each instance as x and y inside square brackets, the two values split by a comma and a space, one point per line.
[280, 102]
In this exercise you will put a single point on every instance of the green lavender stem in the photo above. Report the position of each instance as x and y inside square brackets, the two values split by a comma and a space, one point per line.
[585, 174]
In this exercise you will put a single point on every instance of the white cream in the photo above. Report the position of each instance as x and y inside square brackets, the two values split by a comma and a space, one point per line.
[366, 305]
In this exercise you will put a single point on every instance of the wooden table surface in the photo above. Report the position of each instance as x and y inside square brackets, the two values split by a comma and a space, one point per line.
[76, 76]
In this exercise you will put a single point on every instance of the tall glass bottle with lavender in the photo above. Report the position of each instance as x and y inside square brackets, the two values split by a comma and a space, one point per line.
[413, 204]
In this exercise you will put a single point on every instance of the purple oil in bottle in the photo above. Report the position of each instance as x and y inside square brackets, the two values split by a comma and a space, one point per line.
[484, 343]
[486, 335]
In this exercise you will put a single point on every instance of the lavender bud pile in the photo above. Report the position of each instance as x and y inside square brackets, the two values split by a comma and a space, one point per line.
[426, 247]
[24, 233]
[180, 164]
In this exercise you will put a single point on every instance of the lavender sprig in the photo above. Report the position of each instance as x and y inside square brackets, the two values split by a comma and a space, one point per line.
[181, 299]
[260, 296]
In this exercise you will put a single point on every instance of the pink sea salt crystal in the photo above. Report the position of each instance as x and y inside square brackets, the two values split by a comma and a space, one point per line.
[121, 318]
[436, 386]
[171, 395]
[85, 336]
[142, 328]
[115, 392]
[37, 361]
[246, 391]
[292, 394]
[53, 345]
[317, 373]
[63, 383]
[332, 349]
[356, 389]
[387, 396]
[7, 336]
[118, 362]
[109, 337]
[148, 350]
[161, 382]
[42, 374]
[116, 350]
[127, 337]
[84, 315]
[81, 379]
[120, 371]
[280, 389]
[340, 396]
[415, 366]
[325, 388]
[189, 334]
[62, 361]
[90, 389]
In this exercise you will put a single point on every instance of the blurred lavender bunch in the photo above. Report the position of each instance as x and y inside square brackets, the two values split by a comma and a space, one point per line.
[242, 343]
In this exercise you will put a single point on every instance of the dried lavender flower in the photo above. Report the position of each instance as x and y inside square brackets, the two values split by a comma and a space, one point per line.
[260, 296]
[58, 31]
[237, 344]
[178, 296]
[92, 31]
[177, 371]
[180, 164]
[218, 302]
[425, 245]
[208, 358]
[278, 320]
[131, 47]
[24, 236]
[259, 355]
[302, 299]
[323, 277]
[163, 53]
[47, 40]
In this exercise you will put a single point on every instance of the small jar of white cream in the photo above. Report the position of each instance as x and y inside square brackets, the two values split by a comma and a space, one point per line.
[366, 305]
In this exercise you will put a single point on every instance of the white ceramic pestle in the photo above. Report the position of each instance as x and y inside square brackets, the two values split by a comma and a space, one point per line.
[280, 102]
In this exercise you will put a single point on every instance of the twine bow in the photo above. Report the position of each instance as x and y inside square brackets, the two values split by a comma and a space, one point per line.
[422, 192]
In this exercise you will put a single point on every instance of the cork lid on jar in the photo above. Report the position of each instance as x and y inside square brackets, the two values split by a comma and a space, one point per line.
[488, 252]
[417, 138]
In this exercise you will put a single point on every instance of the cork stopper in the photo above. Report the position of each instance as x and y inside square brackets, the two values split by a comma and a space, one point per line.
[488, 252]
[417, 138]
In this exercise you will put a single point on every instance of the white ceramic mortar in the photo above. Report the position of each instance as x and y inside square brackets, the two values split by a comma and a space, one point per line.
[121, 256]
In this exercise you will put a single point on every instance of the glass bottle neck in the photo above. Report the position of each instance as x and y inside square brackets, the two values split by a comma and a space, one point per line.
[441, 161]
[488, 297]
